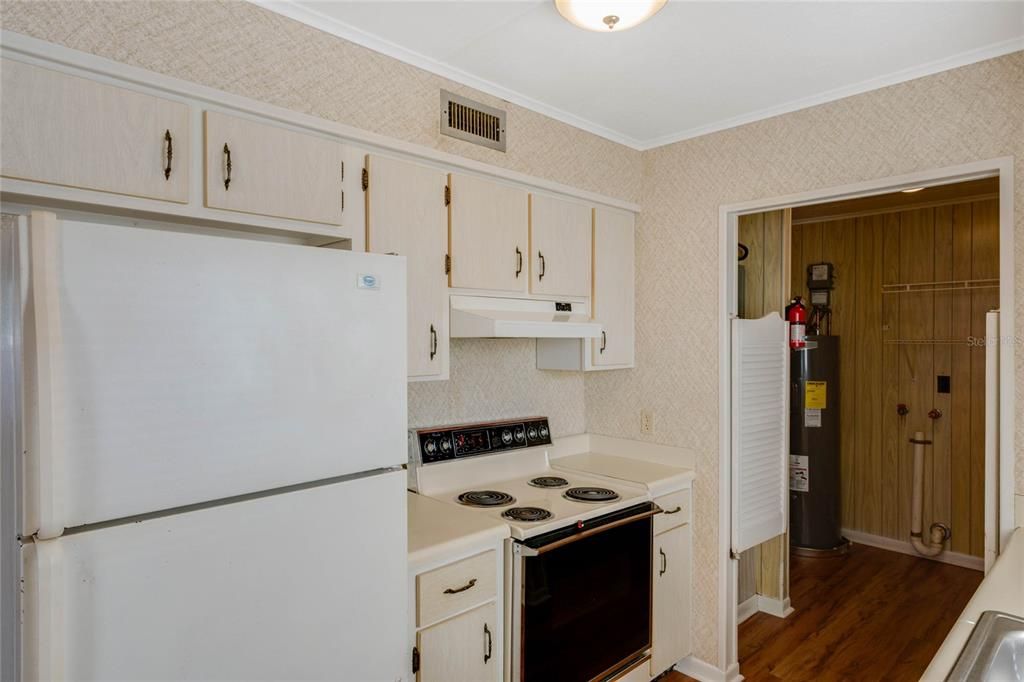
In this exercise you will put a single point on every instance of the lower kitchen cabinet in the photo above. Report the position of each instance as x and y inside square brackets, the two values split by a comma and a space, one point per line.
[672, 601]
[461, 649]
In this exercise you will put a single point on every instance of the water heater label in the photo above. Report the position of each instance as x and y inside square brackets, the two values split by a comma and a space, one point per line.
[812, 419]
[799, 476]
[814, 395]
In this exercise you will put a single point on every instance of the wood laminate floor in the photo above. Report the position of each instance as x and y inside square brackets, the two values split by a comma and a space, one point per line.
[871, 615]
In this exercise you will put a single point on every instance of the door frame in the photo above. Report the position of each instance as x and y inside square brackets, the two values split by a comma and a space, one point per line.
[1001, 167]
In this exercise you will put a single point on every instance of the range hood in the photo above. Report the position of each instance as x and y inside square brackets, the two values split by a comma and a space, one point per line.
[515, 318]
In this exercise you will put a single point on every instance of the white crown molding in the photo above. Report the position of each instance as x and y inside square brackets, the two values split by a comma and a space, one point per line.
[328, 24]
[930, 68]
[311, 17]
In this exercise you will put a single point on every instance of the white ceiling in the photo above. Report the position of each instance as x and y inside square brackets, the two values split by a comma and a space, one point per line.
[695, 67]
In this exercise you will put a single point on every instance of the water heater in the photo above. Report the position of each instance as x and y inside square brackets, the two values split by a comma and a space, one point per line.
[815, 503]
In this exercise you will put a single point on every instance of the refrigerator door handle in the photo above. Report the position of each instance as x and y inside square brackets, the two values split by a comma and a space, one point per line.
[44, 465]
[43, 633]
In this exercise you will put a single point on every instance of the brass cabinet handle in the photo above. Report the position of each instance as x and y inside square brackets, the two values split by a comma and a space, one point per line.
[604, 342]
[664, 561]
[543, 265]
[433, 342]
[170, 154]
[465, 587]
[487, 643]
[519, 262]
[227, 166]
[674, 511]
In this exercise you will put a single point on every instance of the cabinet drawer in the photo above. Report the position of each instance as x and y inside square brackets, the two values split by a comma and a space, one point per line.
[452, 588]
[65, 130]
[273, 171]
[677, 510]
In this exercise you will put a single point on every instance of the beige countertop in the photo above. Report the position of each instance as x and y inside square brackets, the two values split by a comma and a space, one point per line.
[438, 530]
[1001, 590]
[658, 478]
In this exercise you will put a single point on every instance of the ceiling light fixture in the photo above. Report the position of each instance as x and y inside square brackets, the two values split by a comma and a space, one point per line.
[912, 190]
[607, 16]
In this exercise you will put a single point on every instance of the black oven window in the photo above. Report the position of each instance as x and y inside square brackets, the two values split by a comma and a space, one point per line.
[587, 604]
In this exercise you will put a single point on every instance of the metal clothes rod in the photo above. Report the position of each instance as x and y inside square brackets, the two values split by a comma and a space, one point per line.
[920, 342]
[951, 285]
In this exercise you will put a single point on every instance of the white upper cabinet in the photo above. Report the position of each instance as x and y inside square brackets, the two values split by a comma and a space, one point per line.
[560, 232]
[268, 170]
[614, 286]
[65, 130]
[406, 216]
[488, 226]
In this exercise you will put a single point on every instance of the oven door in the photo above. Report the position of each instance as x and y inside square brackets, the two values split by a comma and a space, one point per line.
[581, 597]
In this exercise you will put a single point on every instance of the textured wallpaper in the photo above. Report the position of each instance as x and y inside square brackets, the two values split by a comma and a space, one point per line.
[968, 114]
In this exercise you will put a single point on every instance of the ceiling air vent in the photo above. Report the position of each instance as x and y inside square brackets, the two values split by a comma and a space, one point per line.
[471, 121]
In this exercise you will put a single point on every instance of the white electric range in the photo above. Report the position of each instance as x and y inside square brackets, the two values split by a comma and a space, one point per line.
[578, 564]
[501, 469]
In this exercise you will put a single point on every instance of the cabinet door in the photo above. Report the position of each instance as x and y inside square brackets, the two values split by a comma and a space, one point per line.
[614, 282]
[71, 131]
[671, 637]
[488, 234]
[405, 215]
[560, 233]
[257, 168]
[462, 649]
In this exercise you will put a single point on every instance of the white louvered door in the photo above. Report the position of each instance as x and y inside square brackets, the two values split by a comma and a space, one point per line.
[760, 430]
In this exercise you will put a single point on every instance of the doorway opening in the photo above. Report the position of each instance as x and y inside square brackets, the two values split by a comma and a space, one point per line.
[898, 284]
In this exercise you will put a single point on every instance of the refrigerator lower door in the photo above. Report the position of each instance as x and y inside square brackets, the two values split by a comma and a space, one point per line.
[166, 369]
[307, 585]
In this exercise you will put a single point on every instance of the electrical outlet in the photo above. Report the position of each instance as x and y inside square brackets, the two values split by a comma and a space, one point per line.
[646, 421]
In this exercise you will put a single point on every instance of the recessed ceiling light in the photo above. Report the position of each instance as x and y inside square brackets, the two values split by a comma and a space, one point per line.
[912, 190]
[607, 16]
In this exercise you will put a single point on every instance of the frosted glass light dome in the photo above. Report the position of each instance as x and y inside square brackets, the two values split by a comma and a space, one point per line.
[608, 16]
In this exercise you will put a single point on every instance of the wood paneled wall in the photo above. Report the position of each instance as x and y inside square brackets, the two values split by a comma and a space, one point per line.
[893, 347]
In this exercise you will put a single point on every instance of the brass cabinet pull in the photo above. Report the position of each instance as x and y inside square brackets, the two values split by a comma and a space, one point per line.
[604, 342]
[227, 166]
[664, 561]
[465, 587]
[170, 154]
[519, 262]
[543, 265]
[433, 342]
[674, 511]
[487, 643]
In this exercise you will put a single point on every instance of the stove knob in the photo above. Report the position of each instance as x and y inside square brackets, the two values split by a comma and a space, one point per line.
[430, 447]
[446, 446]
[544, 431]
[520, 435]
[506, 436]
[532, 433]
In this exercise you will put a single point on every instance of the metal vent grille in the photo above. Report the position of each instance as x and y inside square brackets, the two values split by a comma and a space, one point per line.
[471, 121]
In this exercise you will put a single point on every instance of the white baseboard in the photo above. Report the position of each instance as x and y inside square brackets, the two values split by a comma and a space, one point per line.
[746, 609]
[955, 558]
[705, 672]
[779, 608]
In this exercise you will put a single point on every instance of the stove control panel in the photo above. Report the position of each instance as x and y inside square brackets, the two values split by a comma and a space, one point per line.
[469, 440]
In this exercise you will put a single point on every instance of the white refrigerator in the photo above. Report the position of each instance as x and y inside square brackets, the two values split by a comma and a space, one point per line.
[211, 483]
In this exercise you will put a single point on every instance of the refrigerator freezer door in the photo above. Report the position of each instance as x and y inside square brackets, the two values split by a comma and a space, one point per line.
[308, 585]
[165, 369]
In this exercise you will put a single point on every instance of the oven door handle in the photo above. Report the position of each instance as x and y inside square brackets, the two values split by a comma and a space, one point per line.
[530, 551]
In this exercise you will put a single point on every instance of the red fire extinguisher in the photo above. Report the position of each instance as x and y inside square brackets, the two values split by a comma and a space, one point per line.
[796, 315]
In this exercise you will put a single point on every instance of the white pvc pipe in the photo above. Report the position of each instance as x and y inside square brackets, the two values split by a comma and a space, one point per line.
[934, 547]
